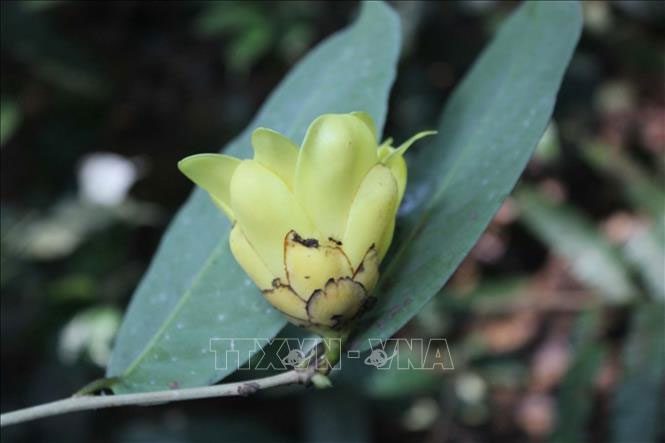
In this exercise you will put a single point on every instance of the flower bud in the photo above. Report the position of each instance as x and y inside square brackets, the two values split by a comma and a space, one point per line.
[311, 226]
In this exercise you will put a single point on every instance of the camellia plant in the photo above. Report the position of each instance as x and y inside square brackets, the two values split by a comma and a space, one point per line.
[319, 230]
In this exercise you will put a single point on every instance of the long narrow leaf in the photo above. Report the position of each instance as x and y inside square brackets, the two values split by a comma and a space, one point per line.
[487, 133]
[194, 290]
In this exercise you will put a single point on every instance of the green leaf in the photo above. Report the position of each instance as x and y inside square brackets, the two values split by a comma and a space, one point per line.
[640, 188]
[488, 131]
[50, 55]
[575, 395]
[490, 296]
[637, 406]
[593, 260]
[645, 250]
[575, 399]
[194, 290]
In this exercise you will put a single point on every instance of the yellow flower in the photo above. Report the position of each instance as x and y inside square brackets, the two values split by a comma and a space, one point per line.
[311, 226]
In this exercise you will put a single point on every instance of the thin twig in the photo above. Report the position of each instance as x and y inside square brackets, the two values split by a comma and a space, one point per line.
[296, 376]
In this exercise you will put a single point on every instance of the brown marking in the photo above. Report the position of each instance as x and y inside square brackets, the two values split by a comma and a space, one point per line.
[306, 242]
[361, 266]
[338, 319]
[278, 285]
[345, 257]
[295, 237]
[337, 242]
[285, 244]
[315, 294]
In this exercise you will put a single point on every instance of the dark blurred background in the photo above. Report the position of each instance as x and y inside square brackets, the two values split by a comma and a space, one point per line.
[554, 321]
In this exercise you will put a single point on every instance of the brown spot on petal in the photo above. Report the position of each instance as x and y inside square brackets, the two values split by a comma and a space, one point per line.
[309, 268]
[285, 299]
[337, 242]
[307, 242]
[367, 273]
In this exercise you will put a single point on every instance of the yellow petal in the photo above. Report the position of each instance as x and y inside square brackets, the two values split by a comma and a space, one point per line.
[337, 303]
[286, 301]
[386, 240]
[337, 152]
[249, 260]
[266, 211]
[372, 211]
[367, 119]
[275, 152]
[309, 264]
[397, 167]
[385, 149]
[367, 273]
[213, 173]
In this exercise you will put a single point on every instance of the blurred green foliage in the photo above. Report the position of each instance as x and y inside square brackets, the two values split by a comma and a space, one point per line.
[542, 351]
[253, 29]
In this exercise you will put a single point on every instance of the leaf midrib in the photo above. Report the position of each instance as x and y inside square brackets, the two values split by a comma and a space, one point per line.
[176, 309]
